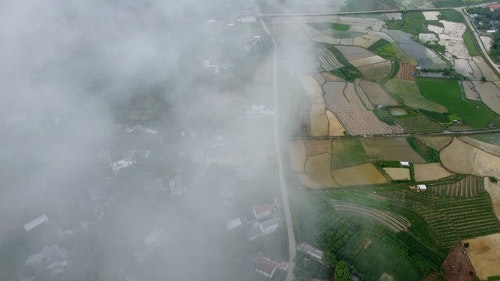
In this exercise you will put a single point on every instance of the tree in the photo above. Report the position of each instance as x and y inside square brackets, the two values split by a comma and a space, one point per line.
[342, 272]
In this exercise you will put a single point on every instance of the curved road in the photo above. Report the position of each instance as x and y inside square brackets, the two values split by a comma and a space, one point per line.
[277, 146]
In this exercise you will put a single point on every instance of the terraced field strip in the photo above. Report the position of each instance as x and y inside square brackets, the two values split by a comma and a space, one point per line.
[452, 219]
[467, 187]
[328, 60]
[392, 221]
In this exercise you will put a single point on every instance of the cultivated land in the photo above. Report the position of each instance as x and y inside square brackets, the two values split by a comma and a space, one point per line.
[366, 90]
[484, 253]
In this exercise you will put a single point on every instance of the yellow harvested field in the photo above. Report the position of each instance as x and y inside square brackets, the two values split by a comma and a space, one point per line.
[376, 72]
[346, 41]
[298, 155]
[460, 157]
[429, 172]
[393, 149]
[318, 121]
[398, 173]
[437, 143]
[490, 94]
[313, 89]
[494, 190]
[359, 175]
[484, 253]
[319, 163]
[367, 61]
[318, 169]
[485, 69]
[335, 129]
[315, 147]
[470, 92]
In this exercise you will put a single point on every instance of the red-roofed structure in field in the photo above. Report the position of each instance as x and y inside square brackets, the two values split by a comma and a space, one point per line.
[262, 211]
[266, 267]
[494, 7]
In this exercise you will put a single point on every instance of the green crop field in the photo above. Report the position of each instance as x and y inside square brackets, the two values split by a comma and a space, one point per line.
[408, 93]
[347, 153]
[449, 94]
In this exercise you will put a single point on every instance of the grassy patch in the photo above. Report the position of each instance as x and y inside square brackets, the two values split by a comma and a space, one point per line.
[447, 3]
[347, 153]
[412, 22]
[408, 93]
[451, 15]
[384, 116]
[340, 26]
[449, 94]
[384, 49]
[437, 116]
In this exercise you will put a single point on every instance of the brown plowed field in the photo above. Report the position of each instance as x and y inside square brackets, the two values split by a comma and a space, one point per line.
[376, 94]
[315, 147]
[406, 71]
[458, 266]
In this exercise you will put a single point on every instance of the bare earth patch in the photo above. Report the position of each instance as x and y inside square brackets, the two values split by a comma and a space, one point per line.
[318, 169]
[429, 172]
[431, 15]
[359, 175]
[470, 91]
[490, 94]
[398, 173]
[394, 149]
[494, 190]
[318, 121]
[464, 158]
[484, 253]
[457, 265]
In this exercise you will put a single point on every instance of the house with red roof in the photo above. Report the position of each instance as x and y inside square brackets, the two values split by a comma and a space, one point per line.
[494, 7]
[267, 267]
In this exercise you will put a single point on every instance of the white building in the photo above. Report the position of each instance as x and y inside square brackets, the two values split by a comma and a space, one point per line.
[36, 222]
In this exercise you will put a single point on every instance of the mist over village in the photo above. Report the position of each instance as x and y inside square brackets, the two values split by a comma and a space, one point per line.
[249, 140]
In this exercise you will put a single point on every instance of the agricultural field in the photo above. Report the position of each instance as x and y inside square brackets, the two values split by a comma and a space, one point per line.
[335, 129]
[297, 154]
[460, 157]
[318, 169]
[390, 149]
[347, 153]
[470, 91]
[489, 93]
[366, 123]
[449, 94]
[430, 172]
[398, 174]
[437, 143]
[450, 219]
[365, 174]
[457, 266]
[376, 72]
[493, 188]
[409, 93]
[417, 124]
[376, 94]
[466, 187]
[328, 61]
[484, 146]
[406, 72]
[486, 70]
[484, 253]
